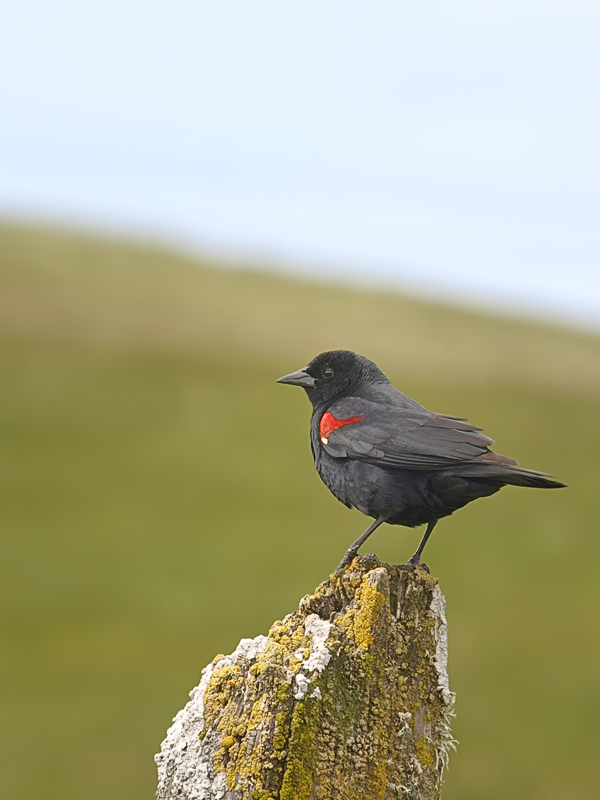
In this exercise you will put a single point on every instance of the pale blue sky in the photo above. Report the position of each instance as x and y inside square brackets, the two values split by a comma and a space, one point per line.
[448, 147]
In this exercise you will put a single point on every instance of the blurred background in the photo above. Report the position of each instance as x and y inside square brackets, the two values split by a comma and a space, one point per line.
[196, 199]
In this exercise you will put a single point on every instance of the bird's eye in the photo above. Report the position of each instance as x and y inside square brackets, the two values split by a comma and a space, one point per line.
[328, 372]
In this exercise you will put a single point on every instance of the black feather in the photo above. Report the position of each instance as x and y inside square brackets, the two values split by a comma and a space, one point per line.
[394, 459]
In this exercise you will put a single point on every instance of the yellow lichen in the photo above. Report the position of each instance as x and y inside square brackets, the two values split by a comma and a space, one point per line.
[369, 615]
[227, 741]
[359, 735]
[279, 737]
[425, 752]
[298, 778]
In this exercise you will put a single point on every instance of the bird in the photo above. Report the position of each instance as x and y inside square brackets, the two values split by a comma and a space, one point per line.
[383, 453]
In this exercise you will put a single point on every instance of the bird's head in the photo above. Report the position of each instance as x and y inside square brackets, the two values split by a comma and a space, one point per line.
[336, 373]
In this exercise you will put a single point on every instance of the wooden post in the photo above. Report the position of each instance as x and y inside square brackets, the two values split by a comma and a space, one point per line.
[346, 698]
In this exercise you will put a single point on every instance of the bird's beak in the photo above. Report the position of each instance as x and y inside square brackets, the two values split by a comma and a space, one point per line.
[298, 378]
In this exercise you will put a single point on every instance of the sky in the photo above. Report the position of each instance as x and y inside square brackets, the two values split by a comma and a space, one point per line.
[449, 148]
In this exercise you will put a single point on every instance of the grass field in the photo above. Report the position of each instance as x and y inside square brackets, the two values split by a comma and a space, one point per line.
[159, 503]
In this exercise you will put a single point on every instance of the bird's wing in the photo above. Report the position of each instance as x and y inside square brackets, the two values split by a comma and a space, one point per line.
[402, 438]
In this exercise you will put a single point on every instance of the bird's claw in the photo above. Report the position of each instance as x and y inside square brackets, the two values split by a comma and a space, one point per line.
[373, 557]
[345, 560]
[351, 555]
[416, 562]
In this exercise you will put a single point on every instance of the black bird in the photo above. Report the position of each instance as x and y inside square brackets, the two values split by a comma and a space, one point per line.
[383, 453]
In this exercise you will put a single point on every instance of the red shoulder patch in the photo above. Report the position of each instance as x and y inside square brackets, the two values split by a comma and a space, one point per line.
[329, 424]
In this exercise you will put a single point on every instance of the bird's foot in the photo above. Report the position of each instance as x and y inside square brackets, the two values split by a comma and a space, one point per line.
[416, 562]
[351, 555]
[348, 557]
[373, 557]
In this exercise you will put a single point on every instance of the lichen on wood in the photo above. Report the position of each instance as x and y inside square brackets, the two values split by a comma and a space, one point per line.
[346, 698]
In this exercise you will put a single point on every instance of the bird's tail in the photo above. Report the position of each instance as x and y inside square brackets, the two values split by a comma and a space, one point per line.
[530, 477]
[513, 476]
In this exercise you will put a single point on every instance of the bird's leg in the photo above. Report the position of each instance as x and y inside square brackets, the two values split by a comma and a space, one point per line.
[353, 549]
[416, 559]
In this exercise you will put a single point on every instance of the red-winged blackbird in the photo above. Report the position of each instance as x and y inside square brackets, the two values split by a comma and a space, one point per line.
[383, 453]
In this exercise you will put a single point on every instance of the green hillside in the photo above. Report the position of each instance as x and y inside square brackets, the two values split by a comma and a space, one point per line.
[159, 503]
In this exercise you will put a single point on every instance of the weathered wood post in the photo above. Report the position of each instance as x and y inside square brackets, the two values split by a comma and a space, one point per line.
[345, 698]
